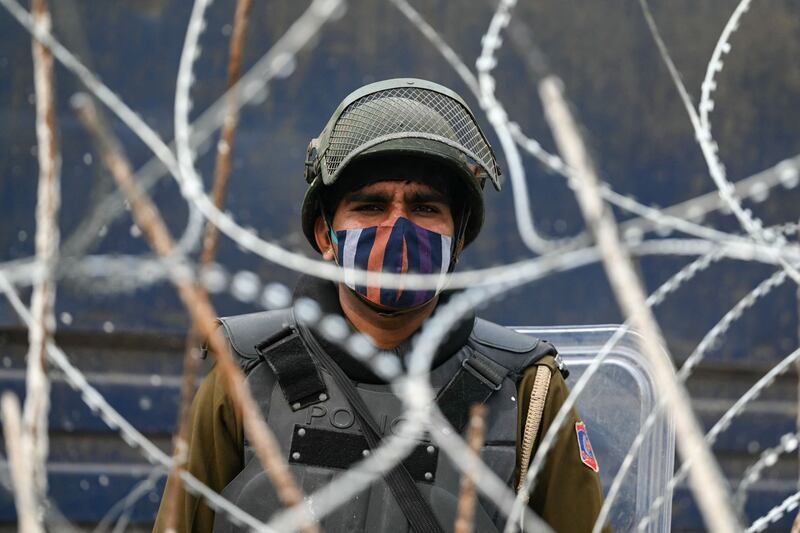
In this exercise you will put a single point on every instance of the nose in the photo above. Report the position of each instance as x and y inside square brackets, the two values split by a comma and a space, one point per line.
[397, 209]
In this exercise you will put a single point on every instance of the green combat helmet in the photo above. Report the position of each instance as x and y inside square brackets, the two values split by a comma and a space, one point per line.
[403, 116]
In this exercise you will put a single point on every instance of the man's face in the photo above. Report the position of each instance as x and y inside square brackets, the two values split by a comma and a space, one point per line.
[379, 205]
[383, 202]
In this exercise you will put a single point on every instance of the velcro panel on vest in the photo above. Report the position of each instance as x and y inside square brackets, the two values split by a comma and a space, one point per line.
[477, 379]
[294, 369]
[328, 448]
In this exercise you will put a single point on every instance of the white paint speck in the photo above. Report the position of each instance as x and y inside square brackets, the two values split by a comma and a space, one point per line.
[145, 403]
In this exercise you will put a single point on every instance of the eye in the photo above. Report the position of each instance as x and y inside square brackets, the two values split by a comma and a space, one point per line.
[427, 208]
[368, 208]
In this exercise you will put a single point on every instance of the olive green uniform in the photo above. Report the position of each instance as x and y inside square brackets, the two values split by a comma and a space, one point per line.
[567, 494]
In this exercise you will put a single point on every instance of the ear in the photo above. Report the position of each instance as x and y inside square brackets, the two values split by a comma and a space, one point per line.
[323, 239]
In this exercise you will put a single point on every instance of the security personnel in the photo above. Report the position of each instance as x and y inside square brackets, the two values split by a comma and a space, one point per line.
[395, 185]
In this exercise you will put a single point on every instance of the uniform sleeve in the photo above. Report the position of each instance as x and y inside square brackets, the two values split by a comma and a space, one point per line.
[567, 494]
[216, 444]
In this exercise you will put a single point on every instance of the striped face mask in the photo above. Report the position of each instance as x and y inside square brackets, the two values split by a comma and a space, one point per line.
[402, 247]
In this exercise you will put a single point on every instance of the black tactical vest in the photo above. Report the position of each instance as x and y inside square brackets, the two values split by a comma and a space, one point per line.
[318, 431]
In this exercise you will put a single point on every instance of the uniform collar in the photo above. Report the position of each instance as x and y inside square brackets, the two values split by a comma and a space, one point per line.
[326, 294]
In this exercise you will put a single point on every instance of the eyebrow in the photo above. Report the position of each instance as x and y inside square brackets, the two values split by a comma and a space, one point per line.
[427, 197]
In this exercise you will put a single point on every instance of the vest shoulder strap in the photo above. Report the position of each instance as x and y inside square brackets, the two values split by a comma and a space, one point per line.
[244, 332]
[271, 336]
[511, 350]
[496, 353]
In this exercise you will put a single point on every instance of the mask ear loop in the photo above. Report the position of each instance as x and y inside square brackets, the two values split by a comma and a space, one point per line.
[462, 229]
[331, 234]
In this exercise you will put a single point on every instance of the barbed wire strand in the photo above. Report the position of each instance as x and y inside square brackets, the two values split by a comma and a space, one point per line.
[132, 437]
[776, 513]
[706, 479]
[417, 409]
[271, 65]
[676, 281]
[53, 518]
[241, 236]
[415, 392]
[761, 290]
[23, 491]
[222, 172]
[572, 260]
[724, 422]
[715, 63]
[736, 312]
[752, 225]
[212, 117]
[476, 435]
[796, 524]
[34, 436]
[656, 217]
[122, 506]
[412, 281]
[769, 457]
[191, 187]
[147, 217]
[490, 43]
[786, 173]
[132, 272]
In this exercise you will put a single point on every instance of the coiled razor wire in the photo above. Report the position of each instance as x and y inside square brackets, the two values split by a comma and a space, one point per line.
[719, 329]
[132, 437]
[724, 422]
[769, 457]
[415, 384]
[715, 64]
[191, 186]
[710, 149]
[534, 148]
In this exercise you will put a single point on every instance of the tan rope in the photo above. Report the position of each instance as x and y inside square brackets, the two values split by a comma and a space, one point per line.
[535, 407]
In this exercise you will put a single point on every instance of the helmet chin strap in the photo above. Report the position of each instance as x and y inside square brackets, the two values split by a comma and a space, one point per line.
[459, 237]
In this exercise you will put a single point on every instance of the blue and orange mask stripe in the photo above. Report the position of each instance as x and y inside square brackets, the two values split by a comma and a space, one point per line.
[400, 248]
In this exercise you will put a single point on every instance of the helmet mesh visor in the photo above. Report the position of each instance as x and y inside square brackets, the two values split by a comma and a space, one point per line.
[407, 112]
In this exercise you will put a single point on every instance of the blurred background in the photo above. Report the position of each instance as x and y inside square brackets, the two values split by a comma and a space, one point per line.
[129, 338]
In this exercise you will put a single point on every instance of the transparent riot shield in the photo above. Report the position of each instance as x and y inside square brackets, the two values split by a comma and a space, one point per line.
[615, 404]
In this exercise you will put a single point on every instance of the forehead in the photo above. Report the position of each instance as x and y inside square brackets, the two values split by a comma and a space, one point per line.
[393, 187]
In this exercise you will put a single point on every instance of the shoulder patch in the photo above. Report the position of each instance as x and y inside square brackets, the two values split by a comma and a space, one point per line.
[585, 447]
